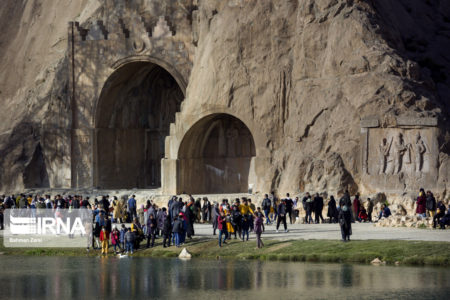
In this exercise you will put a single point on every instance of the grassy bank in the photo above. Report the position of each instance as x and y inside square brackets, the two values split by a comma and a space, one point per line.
[403, 252]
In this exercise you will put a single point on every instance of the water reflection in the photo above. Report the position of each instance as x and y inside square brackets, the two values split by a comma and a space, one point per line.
[110, 277]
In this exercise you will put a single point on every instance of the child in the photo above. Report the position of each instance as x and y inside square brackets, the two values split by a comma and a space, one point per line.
[177, 230]
[259, 229]
[122, 237]
[104, 238]
[363, 215]
[115, 239]
[129, 240]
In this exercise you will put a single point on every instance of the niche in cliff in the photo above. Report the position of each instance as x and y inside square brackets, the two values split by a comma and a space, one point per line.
[35, 173]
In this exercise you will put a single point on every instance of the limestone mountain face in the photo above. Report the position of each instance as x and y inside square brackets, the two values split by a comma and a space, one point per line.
[306, 72]
[299, 74]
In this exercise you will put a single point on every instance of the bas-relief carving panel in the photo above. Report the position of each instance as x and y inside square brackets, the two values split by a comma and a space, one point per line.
[401, 156]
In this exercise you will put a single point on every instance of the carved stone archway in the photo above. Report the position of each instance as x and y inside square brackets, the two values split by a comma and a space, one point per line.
[104, 54]
[133, 115]
[215, 156]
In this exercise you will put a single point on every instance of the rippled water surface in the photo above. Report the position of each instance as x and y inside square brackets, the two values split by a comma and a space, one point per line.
[111, 277]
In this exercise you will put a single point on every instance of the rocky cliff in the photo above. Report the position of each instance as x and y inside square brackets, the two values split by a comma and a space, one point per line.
[304, 72]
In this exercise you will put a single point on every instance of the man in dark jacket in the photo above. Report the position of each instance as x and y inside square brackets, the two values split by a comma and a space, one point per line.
[206, 210]
[167, 231]
[369, 209]
[105, 204]
[152, 227]
[318, 207]
[177, 229]
[236, 219]
[289, 206]
[431, 204]
[266, 204]
[309, 205]
[282, 215]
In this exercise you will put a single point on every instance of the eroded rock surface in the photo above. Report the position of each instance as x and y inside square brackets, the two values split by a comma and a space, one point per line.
[301, 75]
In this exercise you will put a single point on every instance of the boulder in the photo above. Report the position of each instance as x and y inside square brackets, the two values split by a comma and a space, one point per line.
[376, 261]
[185, 254]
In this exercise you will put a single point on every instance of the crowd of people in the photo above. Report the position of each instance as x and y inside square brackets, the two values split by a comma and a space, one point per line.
[175, 223]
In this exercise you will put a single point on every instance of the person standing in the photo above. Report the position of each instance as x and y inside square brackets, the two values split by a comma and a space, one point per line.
[356, 207]
[318, 208]
[266, 204]
[345, 222]
[123, 230]
[309, 208]
[245, 227]
[282, 215]
[431, 204]
[259, 229]
[115, 239]
[117, 211]
[345, 216]
[129, 240]
[222, 226]
[275, 203]
[369, 209]
[167, 231]
[132, 207]
[177, 229]
[289, 207]
[421, 204]
[104, 239]
[152, 227]
[214, 216]
[191, 217]
[332, 213]
[161, 216]
[206, 210]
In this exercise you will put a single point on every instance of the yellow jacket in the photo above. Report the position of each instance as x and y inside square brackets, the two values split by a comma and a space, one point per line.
[244, 209]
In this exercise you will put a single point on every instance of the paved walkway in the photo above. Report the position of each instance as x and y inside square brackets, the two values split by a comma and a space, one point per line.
[363, 231]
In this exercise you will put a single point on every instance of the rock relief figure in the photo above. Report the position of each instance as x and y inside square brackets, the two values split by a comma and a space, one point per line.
[384, 148]
[419, 152]
[400, 149]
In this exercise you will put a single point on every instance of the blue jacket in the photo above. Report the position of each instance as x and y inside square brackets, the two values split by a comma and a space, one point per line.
[122, 236]
[131, 203]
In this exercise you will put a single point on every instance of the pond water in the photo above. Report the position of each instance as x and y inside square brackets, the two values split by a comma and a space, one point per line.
[111, 277]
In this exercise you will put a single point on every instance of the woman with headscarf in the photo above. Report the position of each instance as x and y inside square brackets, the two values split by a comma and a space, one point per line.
[345, 219]
[214, 215]
[421, 204]
[332, 210]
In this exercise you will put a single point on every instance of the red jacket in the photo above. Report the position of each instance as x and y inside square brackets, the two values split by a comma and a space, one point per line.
[114, 238]
[221, 222]
[421, 205]
[104, 235]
